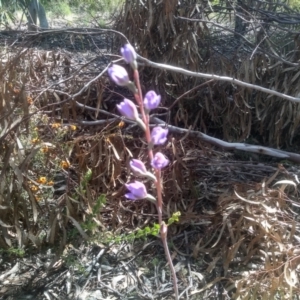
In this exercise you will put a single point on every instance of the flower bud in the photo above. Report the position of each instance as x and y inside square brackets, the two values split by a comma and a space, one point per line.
[159, 135]
[163, 230]
[151, 100]
[128, 109]
[119, 75]
[129, 55]
[159, 161]
[137, 191]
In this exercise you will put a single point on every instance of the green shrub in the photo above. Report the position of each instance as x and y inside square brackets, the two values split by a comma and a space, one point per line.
[295, 4]
[58, 8]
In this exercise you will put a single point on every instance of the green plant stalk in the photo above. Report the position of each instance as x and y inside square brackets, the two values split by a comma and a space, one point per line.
[158, 184]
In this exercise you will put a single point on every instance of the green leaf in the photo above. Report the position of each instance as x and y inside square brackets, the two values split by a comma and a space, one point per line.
[100, 202]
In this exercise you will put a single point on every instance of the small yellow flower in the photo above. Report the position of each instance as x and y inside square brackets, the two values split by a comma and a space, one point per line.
[34, 188]
[65, 164]
[16, 91]
[73, 127]
[45, 149]
[112, 135]
[55, 125]
[121, 124]
[42, 180]
[35, 141]
[50, 182]
[29, 100]
[37, 198]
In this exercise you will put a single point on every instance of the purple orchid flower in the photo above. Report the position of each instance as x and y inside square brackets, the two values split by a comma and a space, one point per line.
[159, 161]
[128, 54]
[159, 135]
[119, 75]
[137, 191]
[138, 167]
[151, 100]
[128, 109]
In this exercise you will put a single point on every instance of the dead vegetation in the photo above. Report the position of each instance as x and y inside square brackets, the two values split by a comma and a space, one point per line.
[64, 147]
[198, 37]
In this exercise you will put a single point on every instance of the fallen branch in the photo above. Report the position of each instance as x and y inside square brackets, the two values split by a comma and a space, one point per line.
[294, 157]
[231, 146]
[217, 77]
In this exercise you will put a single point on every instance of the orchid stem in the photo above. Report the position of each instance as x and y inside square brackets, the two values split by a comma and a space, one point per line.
[158, 184]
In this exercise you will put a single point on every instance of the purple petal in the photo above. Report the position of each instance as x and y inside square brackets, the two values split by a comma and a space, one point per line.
[128, 109]
[128, 53]
[151, 100]
[131, 196]
[159, 135]
[159, 161]
[137, 190]
[138, 167]
[119, 75]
